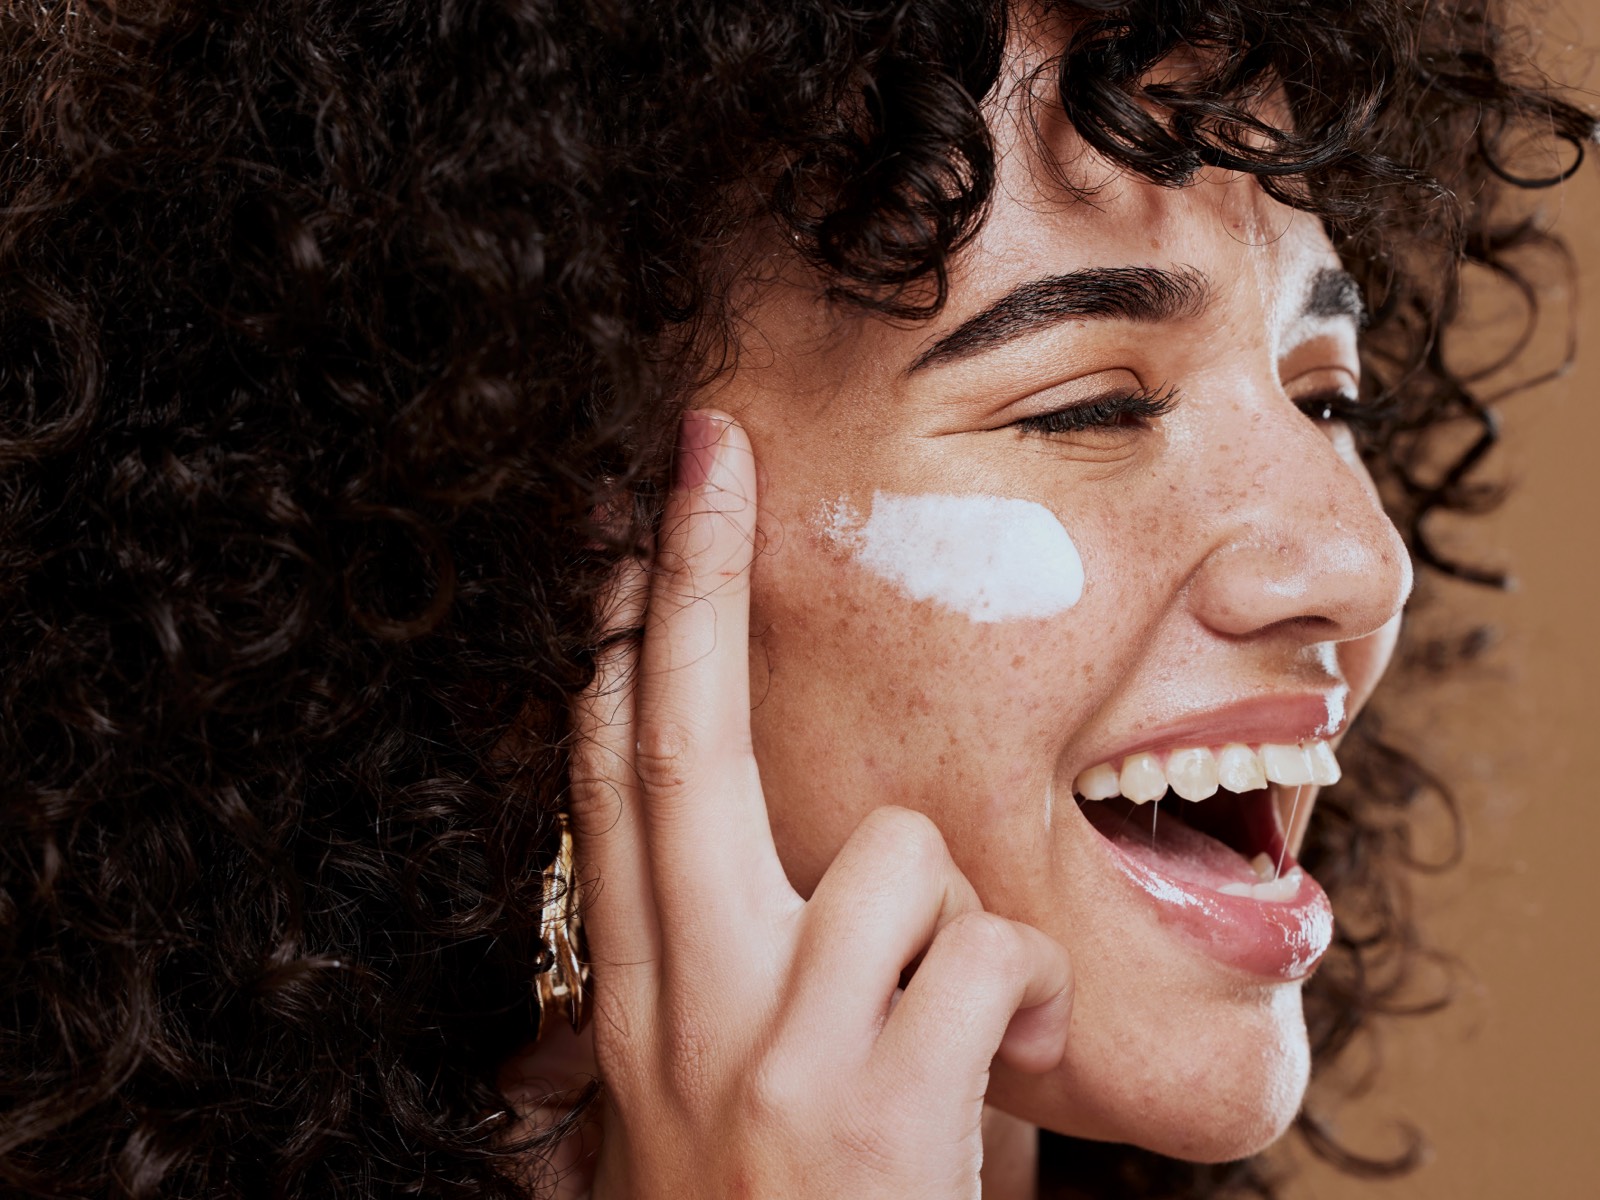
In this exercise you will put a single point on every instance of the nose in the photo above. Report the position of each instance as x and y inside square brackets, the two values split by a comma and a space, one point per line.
[1303, 541]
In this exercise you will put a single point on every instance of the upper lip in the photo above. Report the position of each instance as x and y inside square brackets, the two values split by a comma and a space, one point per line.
[1284, 718]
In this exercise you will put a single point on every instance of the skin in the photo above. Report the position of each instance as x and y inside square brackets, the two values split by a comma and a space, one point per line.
[1234, 548]
[803, 782]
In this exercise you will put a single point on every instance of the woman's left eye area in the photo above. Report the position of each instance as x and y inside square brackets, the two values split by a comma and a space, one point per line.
[1340, 404]
[1133, 409]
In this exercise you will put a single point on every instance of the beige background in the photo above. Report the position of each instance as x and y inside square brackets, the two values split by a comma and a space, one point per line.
[1507, 1083]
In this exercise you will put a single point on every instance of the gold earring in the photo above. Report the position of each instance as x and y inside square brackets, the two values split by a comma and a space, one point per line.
[562, 978]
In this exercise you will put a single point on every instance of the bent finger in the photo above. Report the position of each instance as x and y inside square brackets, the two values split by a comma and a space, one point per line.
[889, 891]
[988, 987]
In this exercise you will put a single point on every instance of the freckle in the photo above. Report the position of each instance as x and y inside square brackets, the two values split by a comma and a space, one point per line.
[1018, 661]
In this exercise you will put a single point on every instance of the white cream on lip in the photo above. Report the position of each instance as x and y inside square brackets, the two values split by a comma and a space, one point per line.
[990, 558]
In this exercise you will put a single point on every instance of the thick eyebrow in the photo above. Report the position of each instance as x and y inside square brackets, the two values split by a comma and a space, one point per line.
[1144, 294]
[1335, 293]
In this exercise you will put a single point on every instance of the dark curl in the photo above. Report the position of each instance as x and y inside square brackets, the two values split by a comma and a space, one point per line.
[325, 327]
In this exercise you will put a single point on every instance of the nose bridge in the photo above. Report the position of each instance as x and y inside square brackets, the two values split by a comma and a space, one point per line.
[1299, 533]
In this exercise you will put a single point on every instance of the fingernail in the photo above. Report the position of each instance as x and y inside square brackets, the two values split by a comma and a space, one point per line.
[698, 436]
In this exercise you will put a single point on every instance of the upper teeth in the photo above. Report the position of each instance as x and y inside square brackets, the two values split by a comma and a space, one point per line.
[1196, 772]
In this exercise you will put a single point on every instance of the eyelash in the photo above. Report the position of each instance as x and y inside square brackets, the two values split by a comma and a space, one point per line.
[1136, 408]
[1341, 406]
[1118, 410]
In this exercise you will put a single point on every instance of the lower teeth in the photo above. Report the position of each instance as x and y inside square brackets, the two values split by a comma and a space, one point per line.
[1284, 888]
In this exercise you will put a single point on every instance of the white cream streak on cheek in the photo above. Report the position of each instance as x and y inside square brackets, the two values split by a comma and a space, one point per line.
[990, 558]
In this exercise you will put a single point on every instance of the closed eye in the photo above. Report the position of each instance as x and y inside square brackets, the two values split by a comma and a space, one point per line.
[1120, 410]
[1342, 405]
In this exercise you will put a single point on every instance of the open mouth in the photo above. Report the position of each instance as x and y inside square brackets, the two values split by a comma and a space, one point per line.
[1201, 833]
[1231, 844]
[1212, 819]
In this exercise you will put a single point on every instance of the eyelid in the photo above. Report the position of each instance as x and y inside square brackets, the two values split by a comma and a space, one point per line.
[1105, 411]
[1322, 383]
[1059, 393]
[1304, 382]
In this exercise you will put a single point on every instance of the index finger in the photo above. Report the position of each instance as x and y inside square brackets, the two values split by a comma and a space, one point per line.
[707, 820]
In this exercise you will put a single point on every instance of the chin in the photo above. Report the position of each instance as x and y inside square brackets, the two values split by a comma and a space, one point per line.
[1220, 1120]
[1203, 1087]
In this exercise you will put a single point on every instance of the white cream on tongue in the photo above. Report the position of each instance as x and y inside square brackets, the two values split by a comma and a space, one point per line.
[990, 558]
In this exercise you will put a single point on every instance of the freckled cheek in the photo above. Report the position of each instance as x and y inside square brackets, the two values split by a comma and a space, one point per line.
[840, 647]
[809, 602]
[863, 697]
[816, 611]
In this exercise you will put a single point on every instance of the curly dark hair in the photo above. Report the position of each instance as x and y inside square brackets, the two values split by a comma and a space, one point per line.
[325, 327]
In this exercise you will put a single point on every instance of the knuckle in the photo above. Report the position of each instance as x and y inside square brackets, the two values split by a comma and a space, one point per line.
[595, 802]
[662, 756]
[772, 1094]
[984, 938]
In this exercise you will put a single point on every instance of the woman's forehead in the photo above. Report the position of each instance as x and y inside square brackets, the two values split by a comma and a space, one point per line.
[1222, 233]
[1215, 256]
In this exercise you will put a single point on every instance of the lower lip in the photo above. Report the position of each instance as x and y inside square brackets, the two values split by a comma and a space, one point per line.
[1281, 940]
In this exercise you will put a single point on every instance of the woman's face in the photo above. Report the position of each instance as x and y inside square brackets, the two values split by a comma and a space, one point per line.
[1239, 584]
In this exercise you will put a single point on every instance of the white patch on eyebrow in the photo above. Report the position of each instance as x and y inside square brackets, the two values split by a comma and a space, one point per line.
[990, 558]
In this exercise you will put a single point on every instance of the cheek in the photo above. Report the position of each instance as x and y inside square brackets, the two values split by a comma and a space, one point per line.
[889, 667]
[990, 559]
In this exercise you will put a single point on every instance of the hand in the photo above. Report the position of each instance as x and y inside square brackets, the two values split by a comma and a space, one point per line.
[754, 1043]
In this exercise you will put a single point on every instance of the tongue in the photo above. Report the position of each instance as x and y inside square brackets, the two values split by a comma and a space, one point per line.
[1175, 849]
